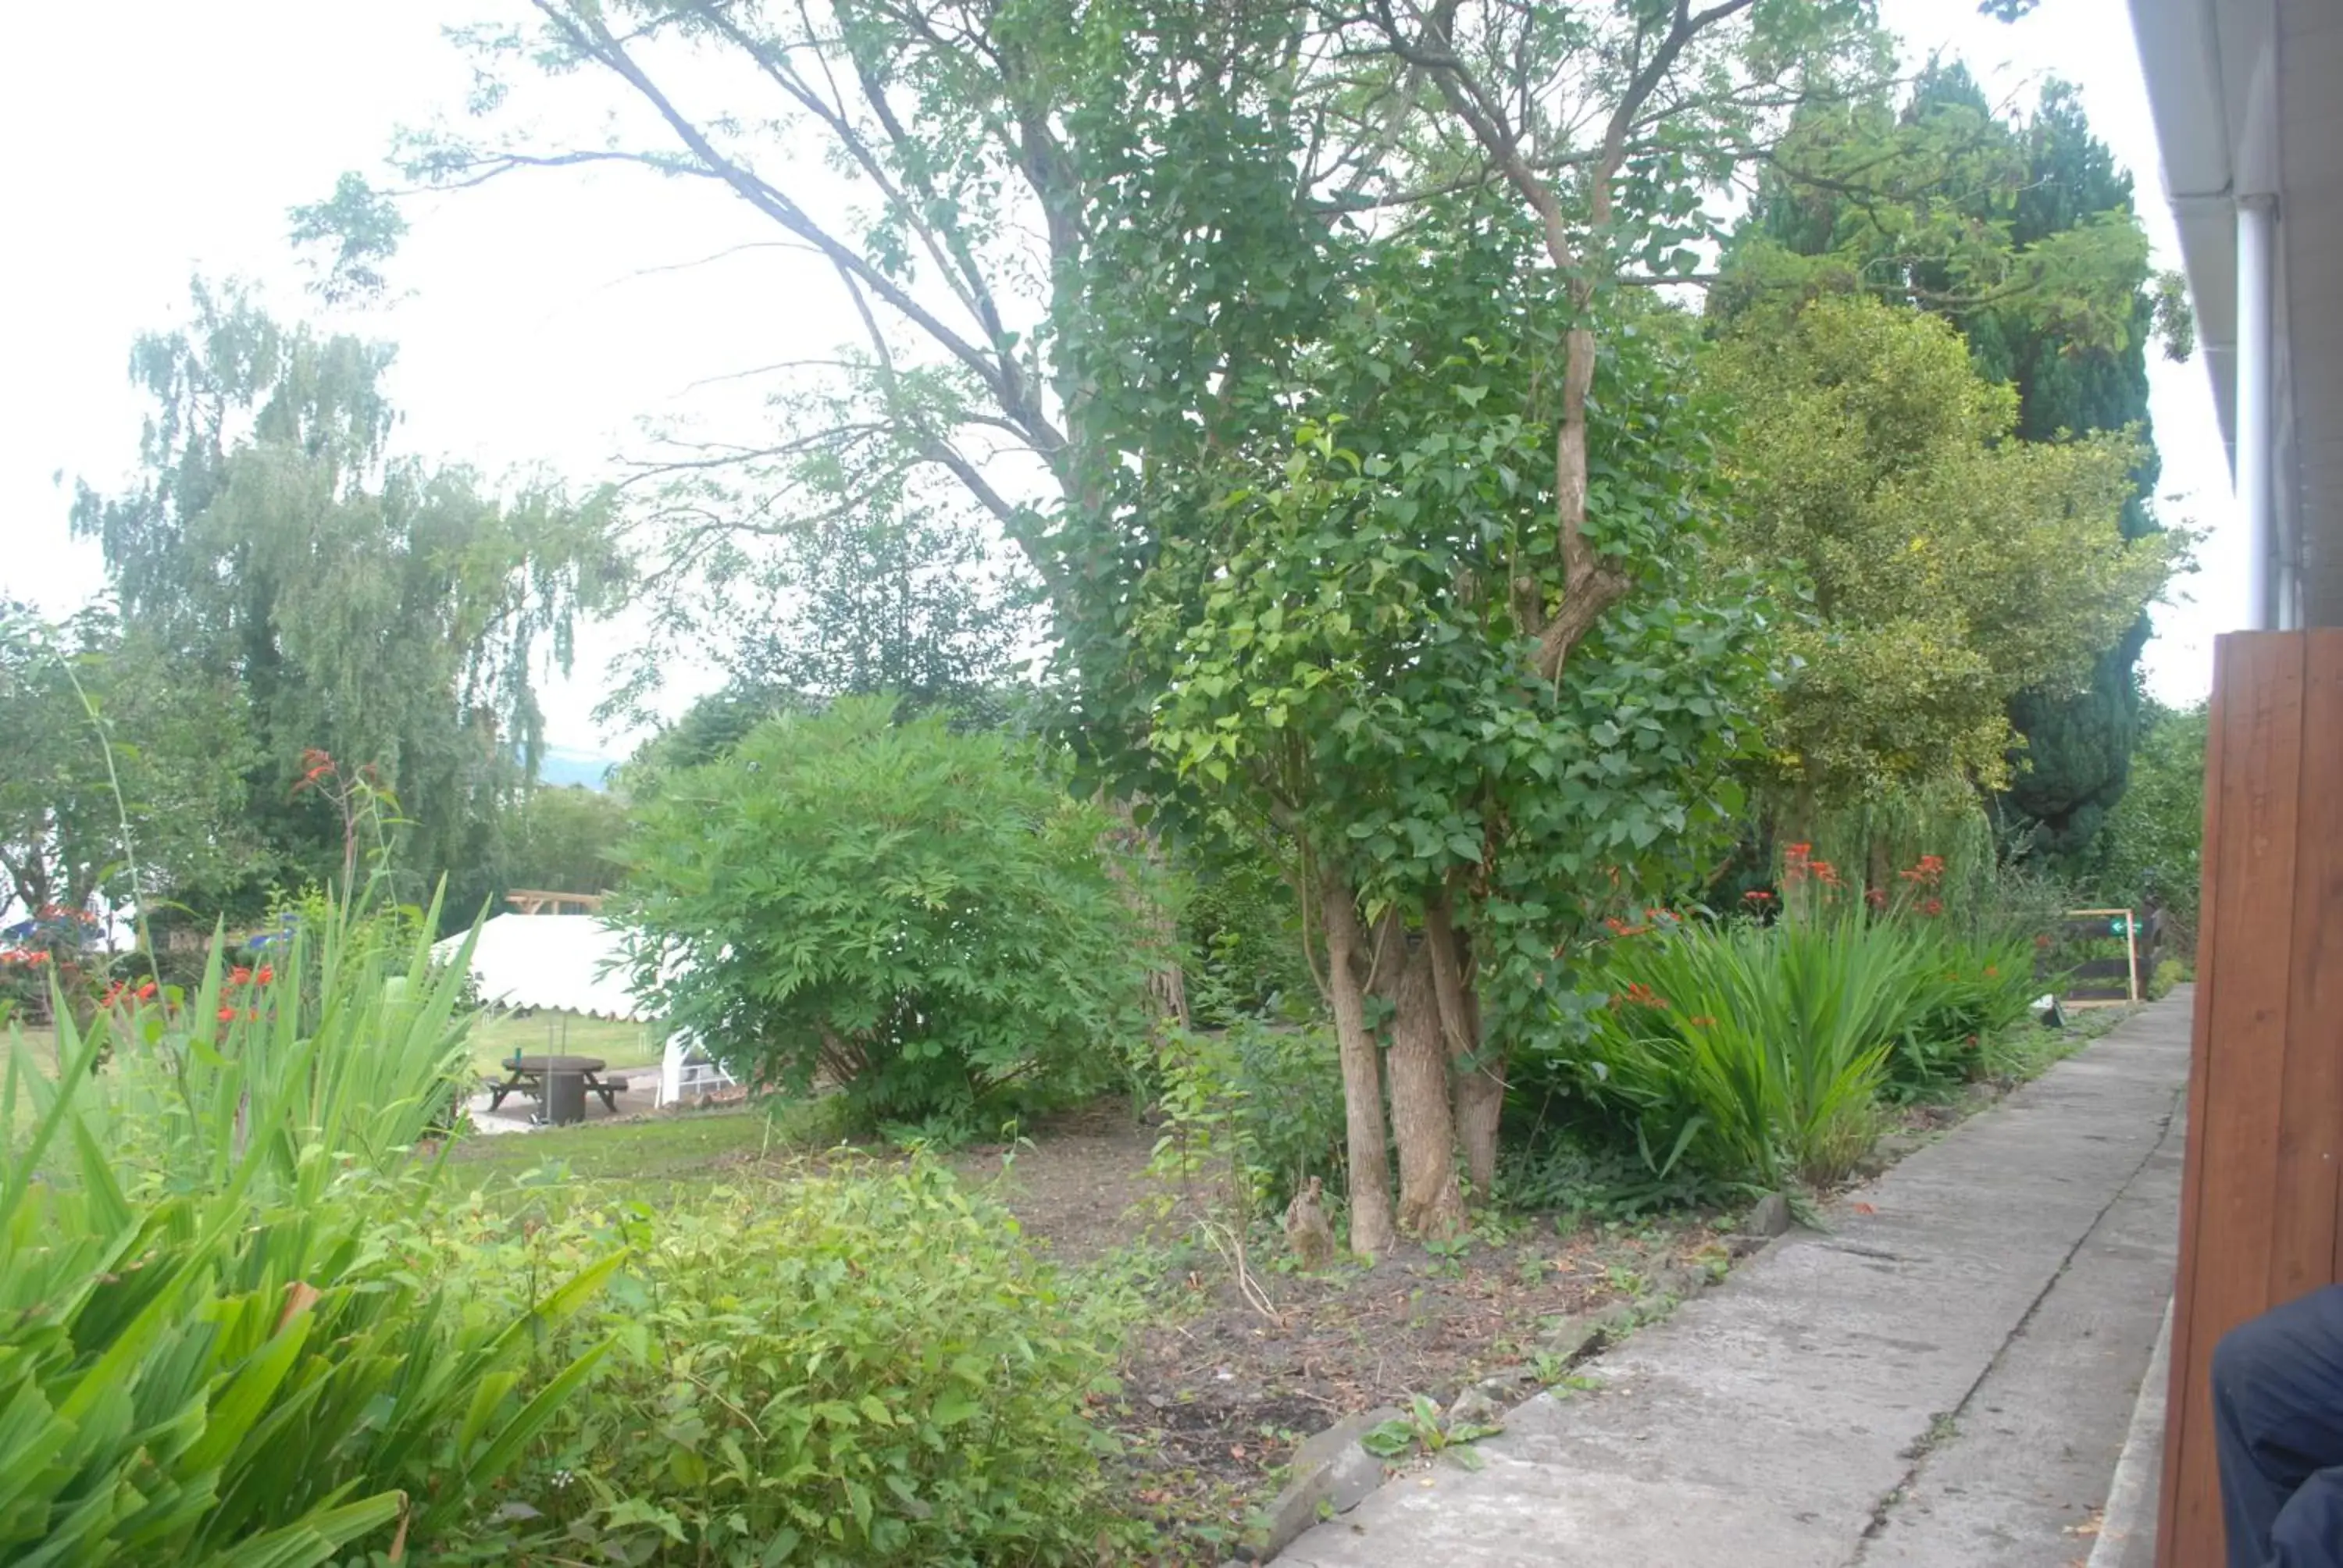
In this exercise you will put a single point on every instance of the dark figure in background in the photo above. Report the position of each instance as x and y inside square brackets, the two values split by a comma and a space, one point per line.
[2278, 1415]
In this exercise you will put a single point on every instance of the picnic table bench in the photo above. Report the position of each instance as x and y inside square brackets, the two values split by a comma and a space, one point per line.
[528, 1075]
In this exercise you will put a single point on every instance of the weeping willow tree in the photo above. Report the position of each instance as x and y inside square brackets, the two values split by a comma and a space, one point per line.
[386, 614]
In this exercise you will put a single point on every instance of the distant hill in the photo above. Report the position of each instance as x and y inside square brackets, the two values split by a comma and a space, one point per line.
[563, 766]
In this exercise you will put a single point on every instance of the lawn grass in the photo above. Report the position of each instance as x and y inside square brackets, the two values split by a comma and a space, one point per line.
[498, 1035]
[659, 1156]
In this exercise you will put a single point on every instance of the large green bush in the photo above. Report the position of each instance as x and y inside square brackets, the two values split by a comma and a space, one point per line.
[213, 1350]
[864, 1368]
[919, 917]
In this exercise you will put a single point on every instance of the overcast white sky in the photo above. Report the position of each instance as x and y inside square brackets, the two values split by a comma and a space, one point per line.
[153, 139]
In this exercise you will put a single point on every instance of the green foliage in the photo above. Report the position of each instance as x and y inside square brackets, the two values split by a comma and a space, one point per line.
[919, 917]
[1760, 1050]
[892, 599]
[1974, 990]
[868, 1368]
[2150, 854]
[1256, 1107]
[364, 604]
[1758, 1053]
[1951, 567]
[1423, 1425]
[101, 727]
[2021, 229]
[563, 840]
[1241, 940]
[1342, 650]
[214, 1347]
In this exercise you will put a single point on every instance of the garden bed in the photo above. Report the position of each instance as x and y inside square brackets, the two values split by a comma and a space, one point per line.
[1218, 1382]
[1217, 1391]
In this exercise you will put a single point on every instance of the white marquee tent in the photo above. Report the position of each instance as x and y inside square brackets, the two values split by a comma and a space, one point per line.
[563, 962]
[572, 963]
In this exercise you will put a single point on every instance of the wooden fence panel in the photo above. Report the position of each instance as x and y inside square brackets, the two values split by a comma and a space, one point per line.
[2260, 1215]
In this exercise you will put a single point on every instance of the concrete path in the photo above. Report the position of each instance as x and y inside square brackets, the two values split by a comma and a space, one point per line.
[1945, 1378]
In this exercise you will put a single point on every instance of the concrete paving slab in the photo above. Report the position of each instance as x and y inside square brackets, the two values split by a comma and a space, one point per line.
[1944, 1378]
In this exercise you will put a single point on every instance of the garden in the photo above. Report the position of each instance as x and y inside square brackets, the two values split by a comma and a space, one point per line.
[1529, 724]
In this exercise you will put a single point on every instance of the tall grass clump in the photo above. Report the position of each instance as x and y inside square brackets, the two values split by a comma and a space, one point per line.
[1759, 1052]
[212, 1347]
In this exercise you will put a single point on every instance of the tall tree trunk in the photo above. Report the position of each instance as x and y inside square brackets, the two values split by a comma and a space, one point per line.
[1478, 1064]
[1430, 1205]
[1371, 1233]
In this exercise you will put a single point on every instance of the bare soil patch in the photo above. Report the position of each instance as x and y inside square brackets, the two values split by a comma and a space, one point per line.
[1217, 1388]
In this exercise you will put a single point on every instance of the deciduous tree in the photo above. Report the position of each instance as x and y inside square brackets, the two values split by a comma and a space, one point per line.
[1951, 566]
[387, 613]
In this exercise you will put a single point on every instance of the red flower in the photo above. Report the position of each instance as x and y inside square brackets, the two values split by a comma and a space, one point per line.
[1932, 907]
[265, 975]
[1876, 897]
[1758, 896]
[147, 991]
[1798, 851]
[239, 975]
[227, 1015]
[1825, 872]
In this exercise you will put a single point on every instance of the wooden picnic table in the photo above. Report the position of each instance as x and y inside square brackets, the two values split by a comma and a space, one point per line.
[528, 1074]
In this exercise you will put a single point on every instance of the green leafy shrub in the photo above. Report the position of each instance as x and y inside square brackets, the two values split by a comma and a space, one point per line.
[212, 1349]
[919, 917]
[2150, 851]
[1758, 1053]
[863, 1368]
[1257, 1107]
[1241, 940]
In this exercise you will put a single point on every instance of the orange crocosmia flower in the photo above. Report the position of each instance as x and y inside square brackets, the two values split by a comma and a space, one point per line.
[147, 991]
[266, 974]
[227, 1015]
[239, 975]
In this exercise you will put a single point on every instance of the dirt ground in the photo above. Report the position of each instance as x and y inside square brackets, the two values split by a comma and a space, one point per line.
[1219, 1387]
